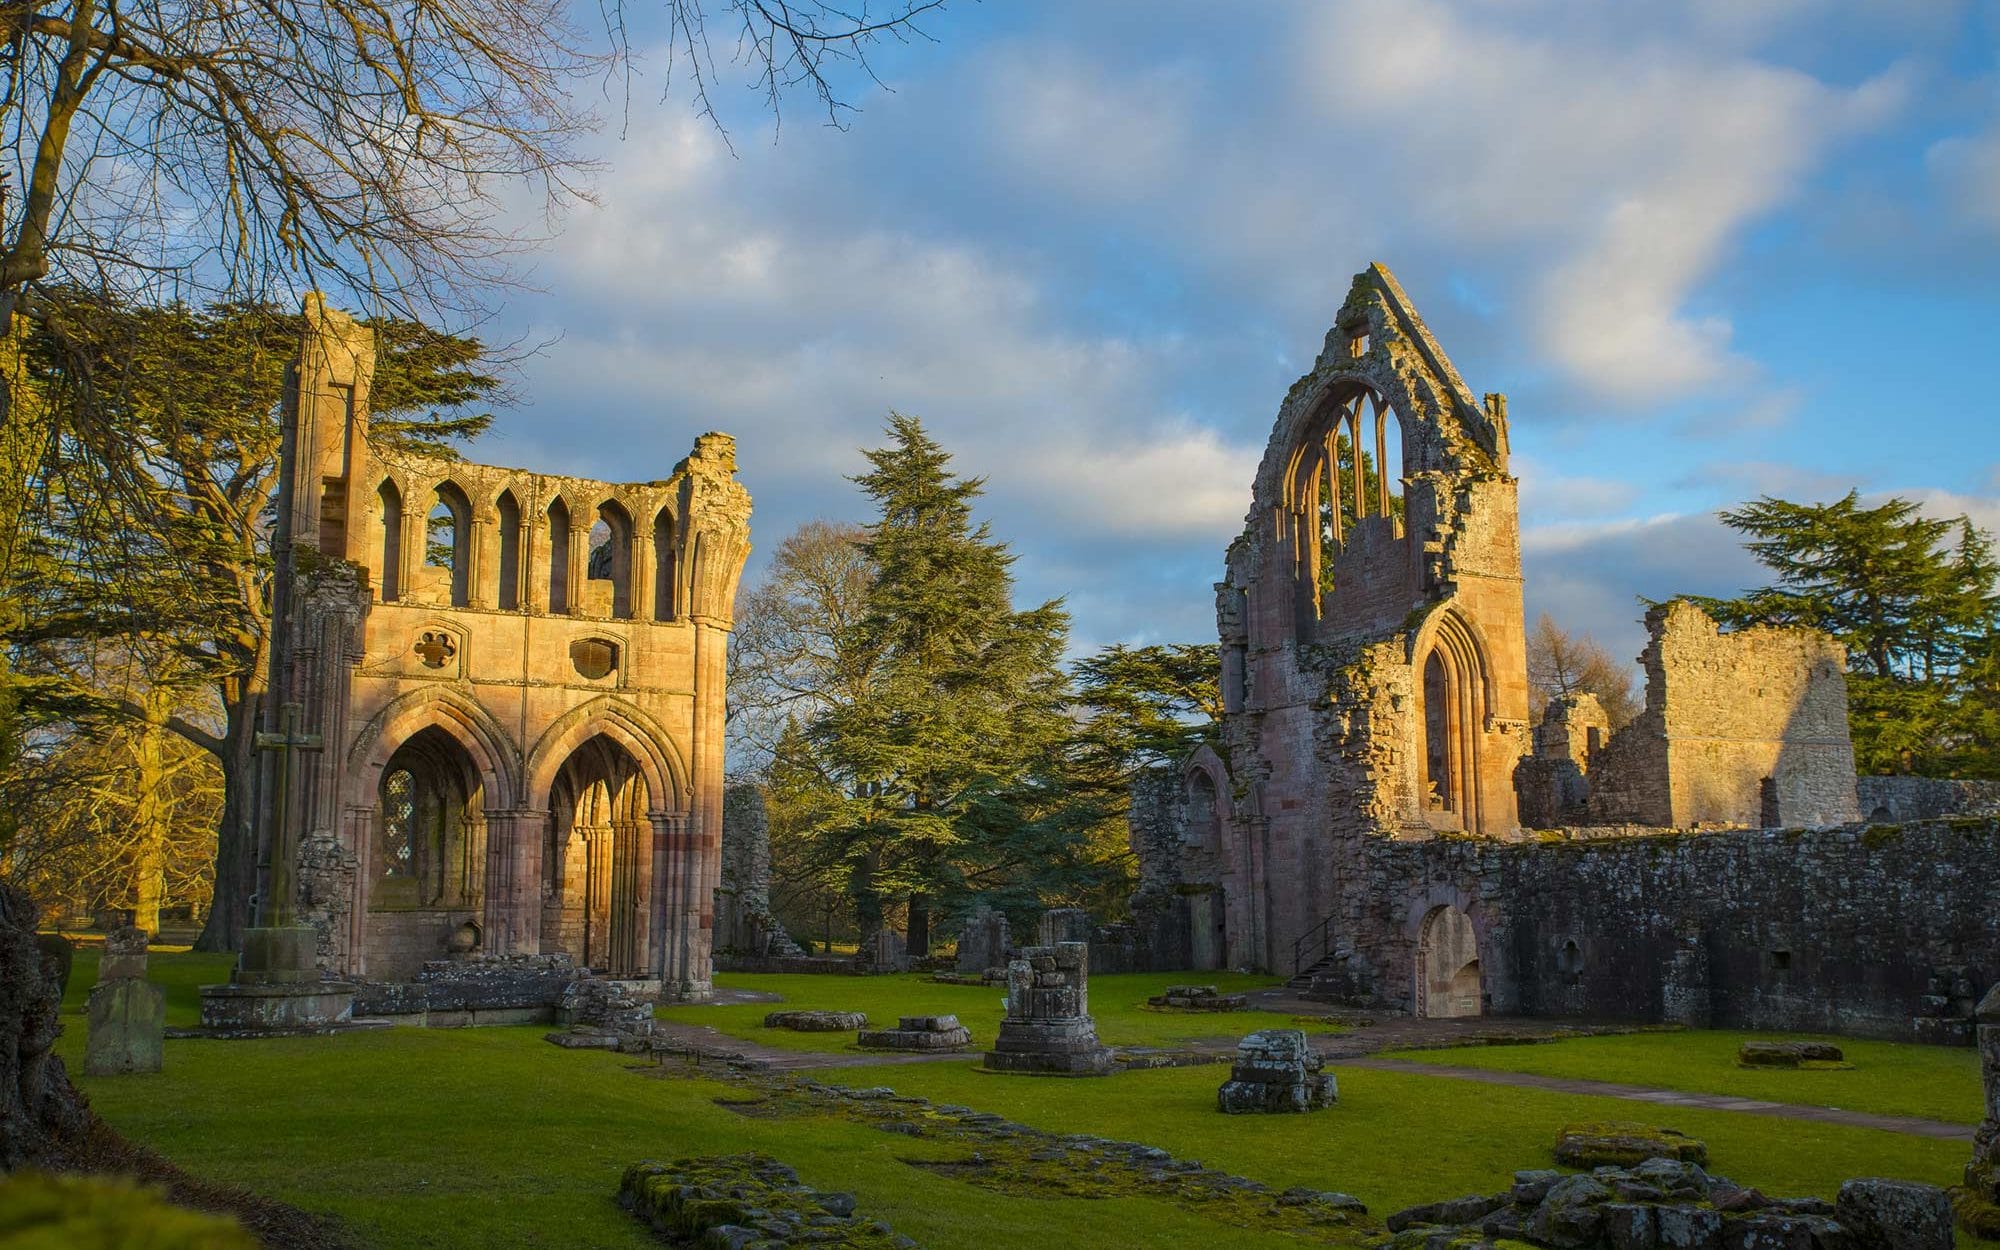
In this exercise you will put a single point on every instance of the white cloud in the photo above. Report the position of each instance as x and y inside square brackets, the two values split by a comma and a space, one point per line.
[1626, 168]
[1967, 168]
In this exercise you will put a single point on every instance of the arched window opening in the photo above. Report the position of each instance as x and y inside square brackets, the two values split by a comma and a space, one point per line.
[596, 859]
[664, 565]
[611, 557]
[559, 557]
[430, 845]
[392, 542]
[509, 597]
[1204, 817]
[448, 541]
[1439, 785]
[1346, 472]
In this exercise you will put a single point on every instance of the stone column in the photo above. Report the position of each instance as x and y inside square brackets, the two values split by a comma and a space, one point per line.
[534, 561]
[579, 563]
[512, 908]
[481, 585]
[639, 578]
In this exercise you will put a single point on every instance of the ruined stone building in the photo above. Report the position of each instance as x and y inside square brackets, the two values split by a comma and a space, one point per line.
[1378, 821]
[518, 680]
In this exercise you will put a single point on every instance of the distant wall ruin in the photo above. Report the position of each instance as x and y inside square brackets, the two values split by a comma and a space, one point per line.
[1746, 729]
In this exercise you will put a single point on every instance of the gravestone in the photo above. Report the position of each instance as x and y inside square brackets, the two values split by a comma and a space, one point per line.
[1048, 1030]
[1276, 1070]
[127, 1015]
[984, 941]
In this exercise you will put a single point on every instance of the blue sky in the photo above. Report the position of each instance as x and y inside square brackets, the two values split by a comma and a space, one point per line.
[1708, 250]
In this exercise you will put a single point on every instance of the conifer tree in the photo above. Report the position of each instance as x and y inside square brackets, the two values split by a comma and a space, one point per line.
[1914, 599]
[942, 775]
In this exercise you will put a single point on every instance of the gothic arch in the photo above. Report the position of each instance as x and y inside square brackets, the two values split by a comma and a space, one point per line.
[435, 705]
[665, 771]
[1454, 697]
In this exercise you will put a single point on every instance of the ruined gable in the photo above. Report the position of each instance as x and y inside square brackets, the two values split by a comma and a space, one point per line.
[1374, 661]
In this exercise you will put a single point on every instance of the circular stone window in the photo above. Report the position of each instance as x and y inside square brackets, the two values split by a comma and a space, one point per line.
[594, 658]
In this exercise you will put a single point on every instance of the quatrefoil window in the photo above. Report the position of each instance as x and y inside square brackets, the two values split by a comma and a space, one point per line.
[435, 649]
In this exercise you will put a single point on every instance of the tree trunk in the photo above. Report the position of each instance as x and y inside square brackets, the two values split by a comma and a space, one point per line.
[149, 817]
[867, 901]
[919, 939]
[236, 838]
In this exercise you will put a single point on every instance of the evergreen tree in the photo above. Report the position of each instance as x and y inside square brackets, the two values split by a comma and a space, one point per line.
[144, 531]
[1914, 600]
[942, 774]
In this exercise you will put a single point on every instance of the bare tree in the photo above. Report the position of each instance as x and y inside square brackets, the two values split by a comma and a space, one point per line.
[801, 46]
[788, 656]
[1562, 663]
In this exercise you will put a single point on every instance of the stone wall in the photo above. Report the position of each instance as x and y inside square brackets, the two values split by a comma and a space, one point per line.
[744, 924]
[1861, 930]
[1899, 800]
[1746, 729]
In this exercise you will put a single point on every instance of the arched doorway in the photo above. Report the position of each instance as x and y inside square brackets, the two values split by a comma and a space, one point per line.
[595, 864]
[1447, 966]
[427, 864]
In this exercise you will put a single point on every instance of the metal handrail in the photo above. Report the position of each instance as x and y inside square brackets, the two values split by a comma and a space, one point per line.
[1320, 933]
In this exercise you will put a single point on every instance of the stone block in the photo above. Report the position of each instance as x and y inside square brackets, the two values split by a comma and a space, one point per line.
[1624, 1145]
[127, 1027]
[1791, 1055]
[919, 1033]
[1896, 1215]
[124, 954]
[1276, 1070]
[816, 1021]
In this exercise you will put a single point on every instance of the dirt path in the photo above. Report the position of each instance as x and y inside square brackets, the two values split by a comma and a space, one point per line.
[1911, 1125]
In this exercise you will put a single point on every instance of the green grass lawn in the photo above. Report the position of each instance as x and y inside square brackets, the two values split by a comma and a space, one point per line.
[1117, 1003]
[1888, 1078]
[491, 1137]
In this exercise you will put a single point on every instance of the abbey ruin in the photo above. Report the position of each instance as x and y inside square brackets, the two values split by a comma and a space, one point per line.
[516, 680]
[1380, 823]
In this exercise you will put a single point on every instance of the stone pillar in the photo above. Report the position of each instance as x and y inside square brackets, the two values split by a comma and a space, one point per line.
[481, 583]
[127, 1015]
[534, 560]
[513, 901]
[579, 563]
[1982, 1175]
[984, 942]
[639, 577]
[1048, 1030]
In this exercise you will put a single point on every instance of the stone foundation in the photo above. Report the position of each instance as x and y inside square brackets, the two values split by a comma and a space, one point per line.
[816, 1021]
[1198, 998]
[1666, 1203]
[918, 1033]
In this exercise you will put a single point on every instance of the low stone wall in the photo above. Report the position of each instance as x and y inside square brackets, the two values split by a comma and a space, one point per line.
[1881, 931]
[523, 989]
[1900, 800]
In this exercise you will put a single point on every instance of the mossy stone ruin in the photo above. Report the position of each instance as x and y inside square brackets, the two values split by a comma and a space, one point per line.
[1048, 1030]
[1820, 1055]
[1624, 1145]
[1979, 1202]
[816, 1021]
[918, 1033]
